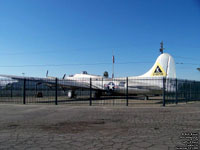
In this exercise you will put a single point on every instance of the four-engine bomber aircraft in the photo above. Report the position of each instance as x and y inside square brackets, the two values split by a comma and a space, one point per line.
[150, 83]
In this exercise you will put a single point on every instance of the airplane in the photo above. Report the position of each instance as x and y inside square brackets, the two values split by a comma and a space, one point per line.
[150, 83]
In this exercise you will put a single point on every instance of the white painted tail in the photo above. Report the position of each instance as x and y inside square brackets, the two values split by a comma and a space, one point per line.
[163, 67]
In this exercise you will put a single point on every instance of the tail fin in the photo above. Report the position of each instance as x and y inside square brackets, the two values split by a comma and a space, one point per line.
[163, 67]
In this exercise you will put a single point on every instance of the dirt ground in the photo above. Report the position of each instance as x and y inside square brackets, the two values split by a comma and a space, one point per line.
[98, 127]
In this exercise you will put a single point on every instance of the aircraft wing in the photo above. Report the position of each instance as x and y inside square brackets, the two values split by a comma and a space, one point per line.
[64, 83]
[22, 78]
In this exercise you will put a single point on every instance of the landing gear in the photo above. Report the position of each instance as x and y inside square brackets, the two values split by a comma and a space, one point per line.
[146, 98]
[96, 94]
[38, 93]
[70, 94]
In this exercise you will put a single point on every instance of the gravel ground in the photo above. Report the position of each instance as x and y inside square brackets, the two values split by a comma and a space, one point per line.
[97, 128]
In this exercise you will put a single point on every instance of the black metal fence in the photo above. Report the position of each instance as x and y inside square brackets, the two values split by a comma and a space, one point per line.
[100, 91]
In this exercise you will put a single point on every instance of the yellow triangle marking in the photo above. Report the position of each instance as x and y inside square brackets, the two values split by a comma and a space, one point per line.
[158, 71]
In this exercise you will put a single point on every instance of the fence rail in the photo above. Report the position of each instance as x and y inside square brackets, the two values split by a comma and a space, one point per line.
[100, 91]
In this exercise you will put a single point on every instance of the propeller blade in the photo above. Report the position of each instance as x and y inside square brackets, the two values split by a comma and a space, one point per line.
[64, 76]
[47, 73]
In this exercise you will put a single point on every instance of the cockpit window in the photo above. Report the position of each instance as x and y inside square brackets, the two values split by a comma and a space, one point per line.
[84, 72]
[122, 84]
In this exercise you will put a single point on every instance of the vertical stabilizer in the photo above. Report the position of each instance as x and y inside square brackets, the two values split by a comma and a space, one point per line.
[163, 67]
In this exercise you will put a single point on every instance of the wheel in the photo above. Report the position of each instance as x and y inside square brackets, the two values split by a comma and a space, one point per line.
[70, 94]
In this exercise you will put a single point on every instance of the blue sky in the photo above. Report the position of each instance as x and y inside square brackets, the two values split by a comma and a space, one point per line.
[85, 32]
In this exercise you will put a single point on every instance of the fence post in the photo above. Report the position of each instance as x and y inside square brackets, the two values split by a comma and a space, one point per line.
[190, 91]
[56, 92]
[24, 92]
[126, 91]
[90, 91]
[11, 91]
[186, 91]
[176, 91]
[194, 91]
[198, 89]
[164, 81]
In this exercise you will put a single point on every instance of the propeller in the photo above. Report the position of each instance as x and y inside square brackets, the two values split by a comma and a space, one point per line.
[64, 76]
[47, 73]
